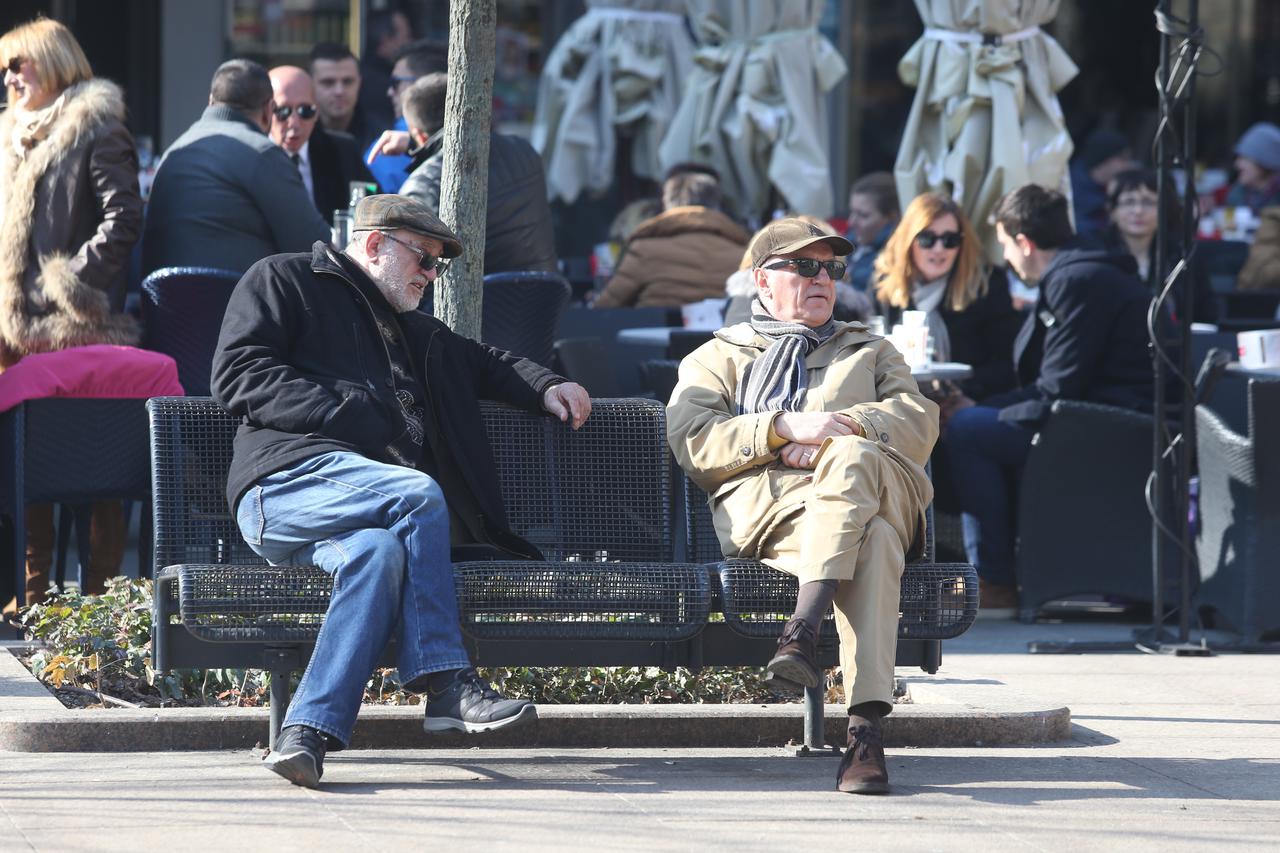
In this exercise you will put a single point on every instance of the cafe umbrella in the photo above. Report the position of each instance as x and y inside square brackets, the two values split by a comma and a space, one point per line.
[985, 118]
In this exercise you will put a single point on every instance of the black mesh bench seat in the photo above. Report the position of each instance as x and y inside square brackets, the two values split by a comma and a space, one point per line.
[499, 600]
[597, 502]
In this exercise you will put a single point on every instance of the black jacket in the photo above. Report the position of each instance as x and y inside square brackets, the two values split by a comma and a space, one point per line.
[981, 336]
[302, 363]
[517, 233]
[335, 162]
[1203, 307]
[1085, 340]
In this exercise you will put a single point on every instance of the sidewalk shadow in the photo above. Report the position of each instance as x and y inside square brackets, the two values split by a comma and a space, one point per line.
[1014, 779]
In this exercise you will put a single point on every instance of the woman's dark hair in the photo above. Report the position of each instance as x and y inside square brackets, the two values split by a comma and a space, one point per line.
[1142, 179]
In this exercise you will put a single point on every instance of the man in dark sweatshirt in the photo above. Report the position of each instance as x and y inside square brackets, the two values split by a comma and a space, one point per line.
[1085, 340]
[361, 450]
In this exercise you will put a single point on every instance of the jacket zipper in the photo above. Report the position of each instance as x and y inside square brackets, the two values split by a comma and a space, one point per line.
[395, 392]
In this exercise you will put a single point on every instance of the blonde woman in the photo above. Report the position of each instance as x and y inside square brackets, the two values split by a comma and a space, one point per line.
[933, 262]
[70, 214]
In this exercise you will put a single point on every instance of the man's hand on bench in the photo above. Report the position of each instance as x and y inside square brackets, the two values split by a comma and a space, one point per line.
[569, 402]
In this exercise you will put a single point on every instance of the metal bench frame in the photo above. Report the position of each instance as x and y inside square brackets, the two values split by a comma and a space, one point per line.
[605, 488]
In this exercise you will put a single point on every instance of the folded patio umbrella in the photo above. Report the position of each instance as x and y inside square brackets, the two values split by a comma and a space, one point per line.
[754, 106]
[986, 118]
[616, 70]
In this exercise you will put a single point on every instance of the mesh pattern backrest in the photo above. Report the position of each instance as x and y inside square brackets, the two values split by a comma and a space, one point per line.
[521, 312]
[190, 455]
[604, 487]
[182, 310]
[84, 449]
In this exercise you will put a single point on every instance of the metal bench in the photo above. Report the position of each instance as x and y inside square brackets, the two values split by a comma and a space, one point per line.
[596, 501]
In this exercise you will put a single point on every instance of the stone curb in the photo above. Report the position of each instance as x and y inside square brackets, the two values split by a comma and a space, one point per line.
[947, 712]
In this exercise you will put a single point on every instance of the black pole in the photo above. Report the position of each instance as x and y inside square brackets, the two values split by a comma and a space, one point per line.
[1159, 432]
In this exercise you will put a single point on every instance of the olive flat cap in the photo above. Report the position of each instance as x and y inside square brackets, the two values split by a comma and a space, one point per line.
[784, 236]
[388, 212]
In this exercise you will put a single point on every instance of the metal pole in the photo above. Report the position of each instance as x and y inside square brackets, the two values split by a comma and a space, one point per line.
[1159, 444]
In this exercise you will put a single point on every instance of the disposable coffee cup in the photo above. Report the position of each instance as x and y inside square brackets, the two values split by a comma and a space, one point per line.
[1259, 349]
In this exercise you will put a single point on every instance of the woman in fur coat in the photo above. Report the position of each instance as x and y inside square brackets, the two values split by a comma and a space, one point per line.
[70, 214]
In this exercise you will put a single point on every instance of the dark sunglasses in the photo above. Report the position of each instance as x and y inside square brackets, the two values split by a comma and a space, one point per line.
[949, 239]
[305, 112]
[15, 65]
[425, 260]
[809, 268]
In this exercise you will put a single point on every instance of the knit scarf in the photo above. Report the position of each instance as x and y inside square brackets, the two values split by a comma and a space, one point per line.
[776, 380]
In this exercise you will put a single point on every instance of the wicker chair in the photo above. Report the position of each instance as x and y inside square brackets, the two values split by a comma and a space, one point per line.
[1239, 534]
[521, 312]
[182, 310]
[71, 450]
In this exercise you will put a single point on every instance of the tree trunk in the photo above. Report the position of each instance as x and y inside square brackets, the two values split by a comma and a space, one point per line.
[464, 182]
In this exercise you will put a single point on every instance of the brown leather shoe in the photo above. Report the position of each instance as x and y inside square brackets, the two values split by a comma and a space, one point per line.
[796, 663]
[863, 770]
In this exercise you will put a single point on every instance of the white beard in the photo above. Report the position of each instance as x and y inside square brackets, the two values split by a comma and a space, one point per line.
[394, 280]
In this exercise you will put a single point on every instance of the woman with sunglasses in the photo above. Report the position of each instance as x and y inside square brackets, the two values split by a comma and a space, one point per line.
[70, 214]
[811, 437]
[933, 262]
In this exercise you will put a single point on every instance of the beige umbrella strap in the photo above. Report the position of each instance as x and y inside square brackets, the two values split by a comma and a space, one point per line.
[636, 15]
[990, 39]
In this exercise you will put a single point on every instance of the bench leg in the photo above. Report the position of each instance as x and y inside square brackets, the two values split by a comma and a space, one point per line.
[815, 725]
[279, 702]
[932, 656]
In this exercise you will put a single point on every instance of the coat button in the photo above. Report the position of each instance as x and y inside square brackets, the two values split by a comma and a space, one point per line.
[884, 436]
[745, 450]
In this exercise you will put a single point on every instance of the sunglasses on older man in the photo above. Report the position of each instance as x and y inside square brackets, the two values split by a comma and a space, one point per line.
[306, 112]
[425, 259]
[809, 268]
[15, 65]
[948, 239]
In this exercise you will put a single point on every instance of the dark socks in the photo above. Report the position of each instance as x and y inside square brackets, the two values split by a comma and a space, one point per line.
[869, 710]
[814, 601]
[432, 682]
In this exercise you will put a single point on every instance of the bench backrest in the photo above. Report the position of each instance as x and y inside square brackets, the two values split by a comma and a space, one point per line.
[604, 488]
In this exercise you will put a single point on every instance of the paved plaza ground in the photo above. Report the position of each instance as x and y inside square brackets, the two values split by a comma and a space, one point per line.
[1166, 754]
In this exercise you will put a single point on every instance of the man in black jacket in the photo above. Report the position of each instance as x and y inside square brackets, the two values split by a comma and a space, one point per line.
[361, 450]
[328, 161]
[1085, 340]
[517, 234]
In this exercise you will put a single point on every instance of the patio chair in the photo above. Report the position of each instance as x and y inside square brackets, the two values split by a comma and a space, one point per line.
[521, 312]
[182, 310]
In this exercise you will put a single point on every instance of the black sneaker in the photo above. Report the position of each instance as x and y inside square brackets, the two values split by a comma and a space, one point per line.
[299, 756]
[470, 705]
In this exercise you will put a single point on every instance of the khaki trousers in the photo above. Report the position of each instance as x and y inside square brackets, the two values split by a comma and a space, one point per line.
[859, 518]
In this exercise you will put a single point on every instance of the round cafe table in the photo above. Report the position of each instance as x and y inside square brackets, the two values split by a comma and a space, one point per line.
[942, 370]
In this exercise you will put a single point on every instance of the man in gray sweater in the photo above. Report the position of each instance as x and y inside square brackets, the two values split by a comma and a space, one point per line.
[225, 195]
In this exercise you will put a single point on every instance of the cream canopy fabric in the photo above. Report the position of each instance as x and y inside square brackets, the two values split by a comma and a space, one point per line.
[617, 68]
[986, 118]
[754, 105]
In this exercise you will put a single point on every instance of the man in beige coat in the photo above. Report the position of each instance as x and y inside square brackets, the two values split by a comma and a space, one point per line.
[811, 437]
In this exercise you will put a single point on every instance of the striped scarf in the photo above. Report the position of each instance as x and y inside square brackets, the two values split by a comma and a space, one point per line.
[776, 380]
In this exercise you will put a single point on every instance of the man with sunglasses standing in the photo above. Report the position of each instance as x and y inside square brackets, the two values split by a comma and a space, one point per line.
[811, 438]
[327, 160]
[225, 195]
[361, 450]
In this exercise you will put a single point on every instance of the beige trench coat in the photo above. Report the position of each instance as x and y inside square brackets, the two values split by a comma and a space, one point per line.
[727, 454]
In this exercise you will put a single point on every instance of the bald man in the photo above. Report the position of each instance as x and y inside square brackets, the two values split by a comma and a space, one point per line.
[327, 160]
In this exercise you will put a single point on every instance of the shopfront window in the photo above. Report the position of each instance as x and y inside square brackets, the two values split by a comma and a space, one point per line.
[280, 32]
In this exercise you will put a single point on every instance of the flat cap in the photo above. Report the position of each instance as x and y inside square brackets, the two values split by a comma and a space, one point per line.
[388, 212]
[784, 236]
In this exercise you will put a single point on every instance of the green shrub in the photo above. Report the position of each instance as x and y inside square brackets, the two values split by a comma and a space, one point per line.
[102, 643]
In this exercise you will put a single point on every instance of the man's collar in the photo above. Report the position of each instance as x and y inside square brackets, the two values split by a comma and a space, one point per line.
[222, 112]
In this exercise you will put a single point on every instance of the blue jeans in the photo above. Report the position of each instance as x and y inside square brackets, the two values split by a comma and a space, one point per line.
[382, 532]
[986, 455]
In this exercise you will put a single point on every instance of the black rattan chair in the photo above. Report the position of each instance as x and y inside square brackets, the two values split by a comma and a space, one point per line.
[587, 362]
[182, 310]
[1083, 524]
[521, 312]
[71, 450]
[1239, 535]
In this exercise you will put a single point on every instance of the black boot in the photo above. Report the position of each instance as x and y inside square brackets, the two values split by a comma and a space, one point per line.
[795, 665]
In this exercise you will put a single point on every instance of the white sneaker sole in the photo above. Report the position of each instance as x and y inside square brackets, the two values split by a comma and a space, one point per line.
[441, 725]
[299, 768]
